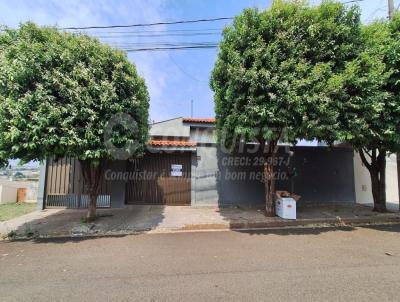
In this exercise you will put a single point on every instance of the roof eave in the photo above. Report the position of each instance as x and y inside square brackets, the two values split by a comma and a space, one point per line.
[170, 148]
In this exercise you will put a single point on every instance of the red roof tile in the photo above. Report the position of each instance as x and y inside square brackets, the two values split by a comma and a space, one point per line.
[172, 143]
[199, 120]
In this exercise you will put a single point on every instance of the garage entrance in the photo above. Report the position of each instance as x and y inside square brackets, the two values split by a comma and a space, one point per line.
[160, 179]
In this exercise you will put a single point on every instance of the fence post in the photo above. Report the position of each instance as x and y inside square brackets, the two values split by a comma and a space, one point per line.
[42, 187]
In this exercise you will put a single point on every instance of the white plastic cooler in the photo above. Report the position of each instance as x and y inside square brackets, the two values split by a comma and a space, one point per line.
[285, 207]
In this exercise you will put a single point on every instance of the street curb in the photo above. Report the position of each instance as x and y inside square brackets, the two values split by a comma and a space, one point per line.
[233, 226]
[338, 221]
[307, 222]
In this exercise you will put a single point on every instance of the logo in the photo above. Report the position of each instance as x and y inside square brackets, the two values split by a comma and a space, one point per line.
[120, 135]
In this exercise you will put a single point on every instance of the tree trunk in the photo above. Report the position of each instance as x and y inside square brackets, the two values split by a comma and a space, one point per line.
[91, 214]
[93, 173]
[269, 189]
[377, 171]
[269, 178]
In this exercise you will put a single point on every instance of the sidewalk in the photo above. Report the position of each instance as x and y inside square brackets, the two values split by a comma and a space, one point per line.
[390, 205]
[155, 219]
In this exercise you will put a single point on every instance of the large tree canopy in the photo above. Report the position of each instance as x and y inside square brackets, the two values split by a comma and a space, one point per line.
[60, 94]
[273, 67]
[369, 101]
[368, 90]
[273, 70]
[59, 90]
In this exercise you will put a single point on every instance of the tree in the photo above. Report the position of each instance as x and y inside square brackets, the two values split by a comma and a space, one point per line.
[67, 95]
[271, 73]
[368, 91]
[394, 60]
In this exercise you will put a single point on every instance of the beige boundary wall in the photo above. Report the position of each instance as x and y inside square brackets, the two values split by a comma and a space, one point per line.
[31, 189]
[363, 182]
[8, 194]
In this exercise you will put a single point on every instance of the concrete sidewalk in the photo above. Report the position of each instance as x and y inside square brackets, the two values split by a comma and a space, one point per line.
[391, 206]
[155, 219]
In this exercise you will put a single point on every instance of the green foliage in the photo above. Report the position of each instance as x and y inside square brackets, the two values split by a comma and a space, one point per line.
[59, 90]
[276, 69]
[369, 91]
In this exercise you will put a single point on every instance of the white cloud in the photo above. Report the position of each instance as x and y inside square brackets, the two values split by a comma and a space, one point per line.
[152, 66]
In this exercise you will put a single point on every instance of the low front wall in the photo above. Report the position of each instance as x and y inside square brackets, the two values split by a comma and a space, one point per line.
[223, 179]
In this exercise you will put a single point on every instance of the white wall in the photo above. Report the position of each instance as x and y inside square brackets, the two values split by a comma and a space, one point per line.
[392, 187]
[31, 187]
[363, 180]
[8, 194]
[174, 127]
[203, 135]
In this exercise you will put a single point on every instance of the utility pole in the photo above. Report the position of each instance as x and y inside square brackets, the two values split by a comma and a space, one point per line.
[191, 108]
[391, 8]
[390, 13]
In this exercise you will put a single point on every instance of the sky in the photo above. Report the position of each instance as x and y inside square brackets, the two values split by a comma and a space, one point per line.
[174, 78]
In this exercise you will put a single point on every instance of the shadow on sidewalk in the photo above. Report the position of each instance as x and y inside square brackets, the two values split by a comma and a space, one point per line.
[311, 220]
[298, 231]
[394, 228]
[69, 226]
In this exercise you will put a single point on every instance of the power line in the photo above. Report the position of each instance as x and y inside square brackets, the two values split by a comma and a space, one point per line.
[185, 72]
[381, 7]
[171, 48]
[156, 31]
[352, 1]
[162, 46]
[148, 45]
[157, 35]
[149, 24]
[166, 43]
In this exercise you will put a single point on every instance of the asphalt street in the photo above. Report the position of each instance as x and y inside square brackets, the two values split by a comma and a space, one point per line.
[326, 264]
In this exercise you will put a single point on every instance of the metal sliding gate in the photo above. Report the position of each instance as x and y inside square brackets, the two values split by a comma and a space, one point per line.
[65, 186]
[152, 180]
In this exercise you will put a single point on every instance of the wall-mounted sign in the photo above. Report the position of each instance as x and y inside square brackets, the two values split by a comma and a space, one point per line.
[176, 170]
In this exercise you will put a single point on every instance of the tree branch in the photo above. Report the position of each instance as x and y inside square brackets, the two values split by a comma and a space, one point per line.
[364, 159]
[373, 157]
[366, 152]
[276, 147]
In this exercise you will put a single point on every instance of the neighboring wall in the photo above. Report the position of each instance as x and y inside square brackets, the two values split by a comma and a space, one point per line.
[31, 188]
[203, 135]
[8, 194]
[363, 181]
[223, 179]
[170, 128]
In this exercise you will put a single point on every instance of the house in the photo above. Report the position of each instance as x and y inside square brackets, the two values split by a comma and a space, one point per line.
[184, 165]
